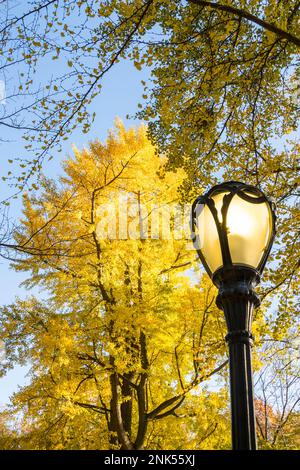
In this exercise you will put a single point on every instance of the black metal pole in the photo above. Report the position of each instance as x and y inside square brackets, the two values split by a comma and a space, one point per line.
[241, 391]
[237, 299]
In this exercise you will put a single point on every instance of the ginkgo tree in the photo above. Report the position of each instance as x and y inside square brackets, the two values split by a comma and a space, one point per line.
[124, 343]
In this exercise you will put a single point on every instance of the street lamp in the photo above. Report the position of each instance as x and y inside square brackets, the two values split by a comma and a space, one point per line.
[233, 228]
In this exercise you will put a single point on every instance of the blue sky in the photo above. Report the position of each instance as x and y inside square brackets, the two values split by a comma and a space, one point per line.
[121, 92]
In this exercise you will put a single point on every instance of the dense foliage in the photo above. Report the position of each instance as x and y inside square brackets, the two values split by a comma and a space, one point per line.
[125, 344]
[225, 78]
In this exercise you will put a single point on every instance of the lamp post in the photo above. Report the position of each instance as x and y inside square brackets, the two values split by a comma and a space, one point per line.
[233, 228]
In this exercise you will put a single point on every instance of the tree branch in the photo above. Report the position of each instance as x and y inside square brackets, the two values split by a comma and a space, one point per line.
[179, 398]
[248, 16]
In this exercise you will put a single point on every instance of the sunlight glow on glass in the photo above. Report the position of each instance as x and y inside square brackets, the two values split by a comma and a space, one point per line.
[248, 226]
[249, 231]
[238, 220]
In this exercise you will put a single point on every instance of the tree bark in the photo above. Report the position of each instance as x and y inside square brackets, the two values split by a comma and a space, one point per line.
[116, 417]
[126, 406]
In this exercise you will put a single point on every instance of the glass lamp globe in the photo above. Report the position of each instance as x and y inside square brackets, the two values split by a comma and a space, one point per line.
[233, 225]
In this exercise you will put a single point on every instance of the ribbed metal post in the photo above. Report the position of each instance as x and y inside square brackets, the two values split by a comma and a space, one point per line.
[237, 299]
[241, 391]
